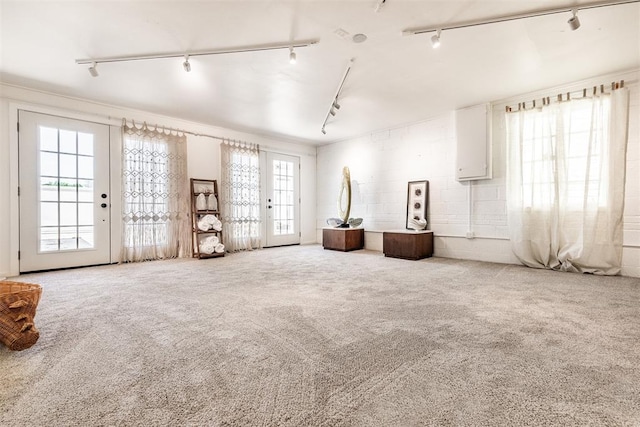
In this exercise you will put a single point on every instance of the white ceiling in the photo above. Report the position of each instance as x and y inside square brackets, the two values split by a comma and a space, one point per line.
[395, 79]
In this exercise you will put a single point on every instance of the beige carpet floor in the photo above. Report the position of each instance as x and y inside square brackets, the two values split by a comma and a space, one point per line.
[299, 336]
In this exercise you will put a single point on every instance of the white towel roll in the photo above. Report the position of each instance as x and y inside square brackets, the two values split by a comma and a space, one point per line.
[201, 202]
[212, 202]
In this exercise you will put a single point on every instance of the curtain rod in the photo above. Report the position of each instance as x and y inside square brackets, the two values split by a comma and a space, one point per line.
[546, 100]
[179, 131]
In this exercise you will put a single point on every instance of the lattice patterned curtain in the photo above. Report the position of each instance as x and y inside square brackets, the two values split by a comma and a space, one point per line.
[155, 194]
[240, 196]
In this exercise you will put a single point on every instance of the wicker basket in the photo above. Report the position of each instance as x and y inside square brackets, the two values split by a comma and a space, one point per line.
[18, 303]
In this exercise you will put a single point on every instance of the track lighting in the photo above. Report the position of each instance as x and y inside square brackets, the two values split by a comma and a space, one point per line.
[93, 70]
[379, 5]
[334, 107]
[435, 40]
[186, 64]
[574, 21]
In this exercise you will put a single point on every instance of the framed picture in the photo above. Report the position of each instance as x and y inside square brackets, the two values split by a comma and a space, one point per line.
[417, 201]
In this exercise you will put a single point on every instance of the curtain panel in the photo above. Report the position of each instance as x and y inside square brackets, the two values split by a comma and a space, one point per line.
[155, 195]
[240, 196]
[565, 183]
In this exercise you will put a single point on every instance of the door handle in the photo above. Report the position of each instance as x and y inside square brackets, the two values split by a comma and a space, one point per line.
[104, 196]
[104, 205]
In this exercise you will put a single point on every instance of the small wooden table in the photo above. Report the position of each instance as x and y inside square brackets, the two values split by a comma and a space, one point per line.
[343, 239]
[408, 244]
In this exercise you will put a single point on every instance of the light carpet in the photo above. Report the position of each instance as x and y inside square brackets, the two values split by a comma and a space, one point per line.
[299, 336]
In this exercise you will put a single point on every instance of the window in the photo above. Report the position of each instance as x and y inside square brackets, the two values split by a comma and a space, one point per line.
[240, 196]
[564, 155]
[155, 195]
[565, 183]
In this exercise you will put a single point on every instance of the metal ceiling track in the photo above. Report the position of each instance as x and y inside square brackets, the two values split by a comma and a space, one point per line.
[506, 18]
[254, 48]
[334, 102]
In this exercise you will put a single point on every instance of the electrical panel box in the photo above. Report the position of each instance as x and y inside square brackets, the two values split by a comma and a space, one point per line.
[473, 135]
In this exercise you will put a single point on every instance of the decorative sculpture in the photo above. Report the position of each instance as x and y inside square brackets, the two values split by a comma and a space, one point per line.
[345, 185]
[344, 198]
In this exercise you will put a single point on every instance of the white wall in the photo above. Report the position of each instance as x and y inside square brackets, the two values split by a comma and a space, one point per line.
[203, 155]
[382, 163]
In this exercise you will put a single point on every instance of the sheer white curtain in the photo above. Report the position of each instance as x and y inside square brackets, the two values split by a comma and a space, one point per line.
[155, 194]
[240, 196]
[565, 183]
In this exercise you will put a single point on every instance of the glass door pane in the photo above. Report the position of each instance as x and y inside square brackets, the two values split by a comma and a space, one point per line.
[66, 193]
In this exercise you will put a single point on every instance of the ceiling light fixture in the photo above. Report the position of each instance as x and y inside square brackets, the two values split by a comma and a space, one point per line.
[292, 56]
[93, 70]
[334, 102]
[506, 18]
[574, 21]
[186, 65]
[435, 40]
[242, 49]
[359, 38]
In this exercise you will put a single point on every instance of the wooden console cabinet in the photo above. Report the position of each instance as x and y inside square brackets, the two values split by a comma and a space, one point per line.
[343, 239]
[407, 244]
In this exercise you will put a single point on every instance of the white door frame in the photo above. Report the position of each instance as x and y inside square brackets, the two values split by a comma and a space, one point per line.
[14, 179]
[264, 172]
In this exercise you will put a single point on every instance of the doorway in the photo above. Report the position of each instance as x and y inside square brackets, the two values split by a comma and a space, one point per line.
[282, 200]
[64, 192]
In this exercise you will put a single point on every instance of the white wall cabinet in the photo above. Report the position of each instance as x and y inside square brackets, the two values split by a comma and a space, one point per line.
[473, 142]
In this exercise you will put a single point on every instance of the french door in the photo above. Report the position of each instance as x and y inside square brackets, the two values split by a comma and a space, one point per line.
[283, 200]
[64, 192]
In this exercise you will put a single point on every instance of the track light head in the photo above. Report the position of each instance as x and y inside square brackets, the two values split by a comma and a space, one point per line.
[336, 105]
[186, 64]
[292, 56]
[435, 40]
[574, 21]
[324, 132]
[332, 112]
[93, 70]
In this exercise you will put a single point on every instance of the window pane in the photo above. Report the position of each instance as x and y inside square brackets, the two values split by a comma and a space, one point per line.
[48, 239]
[68, 165]
[48, 214]
[67, 141]
[85, 144]
[48, 190]
[48, 139]
[85, 213]
[68, 238]
[85, 237]
[68, 214]
[68, 190]
[85, 190]
[85, 167]
[48, 164]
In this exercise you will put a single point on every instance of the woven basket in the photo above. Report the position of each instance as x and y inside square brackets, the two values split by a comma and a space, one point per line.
[18, 303]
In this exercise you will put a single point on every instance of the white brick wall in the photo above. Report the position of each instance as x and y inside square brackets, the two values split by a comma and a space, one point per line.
[383, 163]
